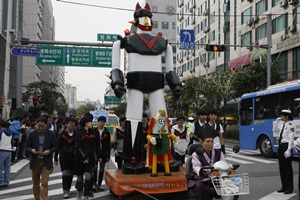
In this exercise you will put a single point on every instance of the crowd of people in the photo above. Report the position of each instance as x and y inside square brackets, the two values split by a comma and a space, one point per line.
[83, 149]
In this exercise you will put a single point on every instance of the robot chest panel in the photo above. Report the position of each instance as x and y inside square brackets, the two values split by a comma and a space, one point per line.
[139, 62]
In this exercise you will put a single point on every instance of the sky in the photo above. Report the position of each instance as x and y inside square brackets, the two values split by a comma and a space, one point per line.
[81, 24]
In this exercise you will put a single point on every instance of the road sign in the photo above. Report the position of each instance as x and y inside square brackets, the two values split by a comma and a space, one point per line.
[111, 100]
[75, 56]
[25, 52]
[187, 39]
[102, 57]
[50, 56]
[107, 37]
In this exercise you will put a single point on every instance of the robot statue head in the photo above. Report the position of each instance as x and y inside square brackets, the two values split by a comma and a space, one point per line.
[142, 17]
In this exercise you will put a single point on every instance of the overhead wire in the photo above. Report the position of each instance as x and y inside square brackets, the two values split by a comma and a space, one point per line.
[165, 13]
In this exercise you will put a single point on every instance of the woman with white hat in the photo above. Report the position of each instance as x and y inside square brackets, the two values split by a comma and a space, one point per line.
[285, 144]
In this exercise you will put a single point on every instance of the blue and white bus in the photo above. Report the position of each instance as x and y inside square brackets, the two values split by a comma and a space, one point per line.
[259, 110]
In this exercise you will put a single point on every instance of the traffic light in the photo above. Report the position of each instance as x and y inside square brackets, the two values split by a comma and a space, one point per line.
[215, 48]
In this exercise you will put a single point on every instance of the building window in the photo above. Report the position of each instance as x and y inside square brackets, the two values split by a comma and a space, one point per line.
[212, 18]
[275, 2]
[297, 13]
[296, 63]
[211, 55]
[203, 40]
[282, 60]
[246, 15]
[203, 7]
[174, 49]
[279, 24]
[203, 58]
[165, 25]
[261, 32]
[154, 9]
[246, 38]
[174, 59]
[197, 29]
[174, 25]
[211, 2]
[184, 68]
[196, 62]
[261, 7]
[155, 25]
[211, 37]
[190, 65]
[203, 24]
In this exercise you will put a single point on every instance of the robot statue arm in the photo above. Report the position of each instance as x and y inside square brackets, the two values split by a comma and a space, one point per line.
[171, 76]
[117, 82]
[116, 75]
[174, 83]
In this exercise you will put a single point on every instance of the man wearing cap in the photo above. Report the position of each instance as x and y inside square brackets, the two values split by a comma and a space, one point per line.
[217, 130]
[198, 125]
[201, 182]
[285, 127]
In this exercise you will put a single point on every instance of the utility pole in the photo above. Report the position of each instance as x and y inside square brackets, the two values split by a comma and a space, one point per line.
[269, 41]
[7, 60]
[19, 59]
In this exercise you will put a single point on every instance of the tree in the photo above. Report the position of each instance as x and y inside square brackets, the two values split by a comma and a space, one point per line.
[85, 108]
[44, 96]
[254, 77]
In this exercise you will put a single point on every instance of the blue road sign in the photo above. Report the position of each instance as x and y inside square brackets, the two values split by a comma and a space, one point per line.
[187, 39]
[25, 52]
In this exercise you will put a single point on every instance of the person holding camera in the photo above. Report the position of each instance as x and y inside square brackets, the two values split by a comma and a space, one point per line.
[41, 144]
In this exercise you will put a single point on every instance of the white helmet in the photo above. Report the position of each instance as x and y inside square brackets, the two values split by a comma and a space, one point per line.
[297, 145]
[191, 119]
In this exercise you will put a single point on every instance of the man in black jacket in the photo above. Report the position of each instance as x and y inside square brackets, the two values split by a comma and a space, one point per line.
[41, 144]
[104, 136]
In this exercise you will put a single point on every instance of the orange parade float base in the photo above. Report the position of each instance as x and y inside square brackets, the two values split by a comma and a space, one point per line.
[121, 184]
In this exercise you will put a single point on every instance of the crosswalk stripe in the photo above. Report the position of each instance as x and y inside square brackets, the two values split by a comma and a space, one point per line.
[29, 178]
[112, 158]
[27, 187]
[253, 159]
[19, 165]
[278, 196]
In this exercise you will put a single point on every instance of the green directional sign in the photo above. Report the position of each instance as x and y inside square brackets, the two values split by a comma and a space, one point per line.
[102, 57]
[108, 100]
[107, 37]
[77, 56]
[74, 56]
[51, 56]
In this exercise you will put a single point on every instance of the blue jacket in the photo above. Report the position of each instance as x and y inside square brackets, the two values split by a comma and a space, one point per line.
[15, 127]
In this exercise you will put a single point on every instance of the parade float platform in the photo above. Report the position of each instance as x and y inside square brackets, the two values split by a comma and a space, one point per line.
[121, 184]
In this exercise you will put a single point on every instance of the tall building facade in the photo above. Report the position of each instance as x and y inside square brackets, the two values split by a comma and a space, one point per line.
[13, 60]
[70, 94]
[239, 23]
[164, 15]
[39, 24]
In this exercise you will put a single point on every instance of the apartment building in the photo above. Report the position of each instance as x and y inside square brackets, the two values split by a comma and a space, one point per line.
[240, 23]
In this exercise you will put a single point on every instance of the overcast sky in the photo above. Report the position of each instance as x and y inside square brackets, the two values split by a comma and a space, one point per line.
[82, 23]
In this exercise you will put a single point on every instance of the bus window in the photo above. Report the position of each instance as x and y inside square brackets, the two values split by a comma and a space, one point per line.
[246, 112]
[262, 107]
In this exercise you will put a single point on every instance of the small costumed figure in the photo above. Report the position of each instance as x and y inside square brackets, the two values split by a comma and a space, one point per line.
[144, 76]
[159, 148]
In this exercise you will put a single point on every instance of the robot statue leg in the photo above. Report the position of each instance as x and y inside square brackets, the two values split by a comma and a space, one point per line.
[133, 145]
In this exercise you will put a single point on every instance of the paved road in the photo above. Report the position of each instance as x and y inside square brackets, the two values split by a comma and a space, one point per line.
[264, 181]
